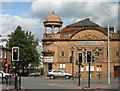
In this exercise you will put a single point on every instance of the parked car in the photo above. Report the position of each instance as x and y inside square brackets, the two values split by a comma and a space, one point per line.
[35, 74]
[58, 73]
[4, 74]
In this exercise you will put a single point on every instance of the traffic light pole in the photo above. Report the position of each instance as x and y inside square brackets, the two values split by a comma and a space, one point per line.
[15, 58]
[20, 82]
[79, 74]
[16, 83]
[80, 60]
[89, 76]
[72, 65]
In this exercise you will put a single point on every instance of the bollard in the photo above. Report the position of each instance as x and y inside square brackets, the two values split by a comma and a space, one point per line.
[15, 82]
[2, 78]
[19, 82]
[6, 77]
[9, 80]
[12, 81]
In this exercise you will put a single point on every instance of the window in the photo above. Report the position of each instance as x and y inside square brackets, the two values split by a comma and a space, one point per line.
[55, 71]
[5, 54]
[117, 53]
[91, 68]
[59, 71]
[62, 54]
[62, 66]
[99, 68]
[82, 68]
[97, 54]
[107, 53]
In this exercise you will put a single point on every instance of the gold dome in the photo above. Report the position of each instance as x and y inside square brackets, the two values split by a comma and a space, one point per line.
[53, 19]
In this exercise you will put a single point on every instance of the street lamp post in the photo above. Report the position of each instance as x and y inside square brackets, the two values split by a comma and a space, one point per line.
[108, 46]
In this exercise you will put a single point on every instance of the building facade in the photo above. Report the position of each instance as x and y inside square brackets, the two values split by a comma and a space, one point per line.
[3, 41]
[79, 37]
[5, 59]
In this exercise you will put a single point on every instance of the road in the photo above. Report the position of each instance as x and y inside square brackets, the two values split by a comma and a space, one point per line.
[41, 83]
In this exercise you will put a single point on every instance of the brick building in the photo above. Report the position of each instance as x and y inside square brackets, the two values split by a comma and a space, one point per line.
[5, 59]
[79, 37]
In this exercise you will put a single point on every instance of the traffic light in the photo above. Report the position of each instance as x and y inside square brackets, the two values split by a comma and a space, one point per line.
[15, 53]
[80, 57]
[89, 55]
[70, 59]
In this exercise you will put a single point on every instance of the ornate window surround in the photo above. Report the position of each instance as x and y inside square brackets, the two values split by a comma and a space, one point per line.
[62, 54]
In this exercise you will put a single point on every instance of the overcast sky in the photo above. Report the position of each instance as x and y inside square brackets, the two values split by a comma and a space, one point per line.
[30, 15]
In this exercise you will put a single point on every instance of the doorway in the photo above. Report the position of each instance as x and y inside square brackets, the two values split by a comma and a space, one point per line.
[49, 66]
[116, 71]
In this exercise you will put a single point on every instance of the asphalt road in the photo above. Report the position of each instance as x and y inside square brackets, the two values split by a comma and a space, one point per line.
[41, 83]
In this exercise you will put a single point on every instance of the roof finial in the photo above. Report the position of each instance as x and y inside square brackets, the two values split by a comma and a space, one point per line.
[53, 12]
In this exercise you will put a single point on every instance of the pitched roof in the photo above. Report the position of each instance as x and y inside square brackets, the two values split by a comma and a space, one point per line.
[84, 23]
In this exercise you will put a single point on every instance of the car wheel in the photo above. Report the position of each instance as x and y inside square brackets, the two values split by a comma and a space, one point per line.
[52, 77]
[67, 77]
[6, 76]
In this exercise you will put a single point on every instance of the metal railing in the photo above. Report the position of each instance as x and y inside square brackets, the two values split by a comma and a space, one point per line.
[10, 81]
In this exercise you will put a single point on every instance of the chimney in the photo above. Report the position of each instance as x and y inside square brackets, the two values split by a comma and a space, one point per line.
[115, 29]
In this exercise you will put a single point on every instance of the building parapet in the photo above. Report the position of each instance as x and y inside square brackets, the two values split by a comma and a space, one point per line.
[115, 36]
[57, 36]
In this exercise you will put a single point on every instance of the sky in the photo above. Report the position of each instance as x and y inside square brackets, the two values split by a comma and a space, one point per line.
[30, 14]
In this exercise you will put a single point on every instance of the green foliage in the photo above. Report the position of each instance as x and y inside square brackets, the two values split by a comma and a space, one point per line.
[35, 70]
[27, 47]
[41, 70]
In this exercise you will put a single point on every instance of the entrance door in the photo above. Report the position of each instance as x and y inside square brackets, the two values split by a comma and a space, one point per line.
[116, 71]
[49, 66]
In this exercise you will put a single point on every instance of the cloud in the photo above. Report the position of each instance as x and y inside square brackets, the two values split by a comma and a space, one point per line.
[60, 0]
[10, 22]
[16, 0]
[6, 0]
[70, 12]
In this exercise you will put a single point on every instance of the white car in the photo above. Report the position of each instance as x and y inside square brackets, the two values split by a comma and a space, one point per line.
[58, 73]
[4, 74]
[35, 74]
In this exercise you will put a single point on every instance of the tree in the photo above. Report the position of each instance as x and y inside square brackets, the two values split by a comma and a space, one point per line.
[27, 47]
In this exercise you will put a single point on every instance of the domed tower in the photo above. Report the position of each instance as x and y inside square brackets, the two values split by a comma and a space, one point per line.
[53, 20]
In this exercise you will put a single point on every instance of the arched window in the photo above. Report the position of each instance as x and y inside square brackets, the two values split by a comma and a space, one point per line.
[117, 53]
[62, 54]
[97, 54]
